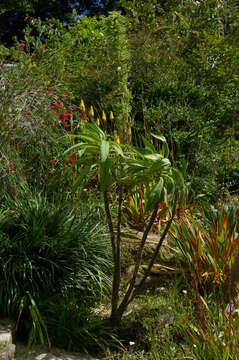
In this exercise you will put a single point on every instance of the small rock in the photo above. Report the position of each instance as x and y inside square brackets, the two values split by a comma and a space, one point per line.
[8, 353]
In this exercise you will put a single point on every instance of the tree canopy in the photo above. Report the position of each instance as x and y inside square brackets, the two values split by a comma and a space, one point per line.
[16, 14]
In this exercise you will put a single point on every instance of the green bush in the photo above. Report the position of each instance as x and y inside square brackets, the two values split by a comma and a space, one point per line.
[47, 249]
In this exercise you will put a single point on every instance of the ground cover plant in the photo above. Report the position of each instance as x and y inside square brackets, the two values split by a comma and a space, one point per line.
[119, 180]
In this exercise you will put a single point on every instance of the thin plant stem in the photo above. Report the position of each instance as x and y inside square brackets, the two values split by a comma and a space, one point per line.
[124, 302]
[155, 254]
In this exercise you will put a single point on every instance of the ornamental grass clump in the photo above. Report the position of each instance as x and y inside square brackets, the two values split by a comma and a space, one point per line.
[47, 249]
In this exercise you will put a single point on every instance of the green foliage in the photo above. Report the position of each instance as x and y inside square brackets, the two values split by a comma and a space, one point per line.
[38, 330]
[163, 67]
[124, 164]
[121, 97]
[215, 338]
[30, 130]
[47, 249]
[178, 78]
[71, 325]
[4, 52]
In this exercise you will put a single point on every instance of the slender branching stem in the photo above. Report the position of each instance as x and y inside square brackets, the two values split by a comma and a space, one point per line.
[117, 267]
[110, 224]
[128, 293]
[155, 254]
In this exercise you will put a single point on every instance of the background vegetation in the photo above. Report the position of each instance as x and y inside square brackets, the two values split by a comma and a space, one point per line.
[155, 67]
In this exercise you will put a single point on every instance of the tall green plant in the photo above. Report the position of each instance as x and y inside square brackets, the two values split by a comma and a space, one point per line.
[119, 53]
[121, 167]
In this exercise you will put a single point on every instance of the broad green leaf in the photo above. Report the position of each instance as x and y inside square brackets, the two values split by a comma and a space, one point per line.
[180, 184]
[165, 150]
[104, 150]
[104, 165]
[153, 157]
[118, 149]
[73, 147]
[104, 175]
[90, 140]
[155, 195]
[148, 146]
[159, 137]
[170, 185]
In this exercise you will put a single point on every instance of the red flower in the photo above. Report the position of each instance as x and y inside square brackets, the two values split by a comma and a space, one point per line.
[21, 45]
[66, 123]
[54, 107]
[72, 159]
[33, 157]
[11, 167]
[60, 104]
[26, 113]
[57, 106]
[52, 161]
[65, 115]
[83, 116]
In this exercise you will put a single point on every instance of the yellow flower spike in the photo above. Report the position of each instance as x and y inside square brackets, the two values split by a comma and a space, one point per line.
[131, 201]
[116, 137]
[82, 105]
[98, 121]
[98, 174]
[91, 112]
[104, 117]
[111, 116]
[130, 134]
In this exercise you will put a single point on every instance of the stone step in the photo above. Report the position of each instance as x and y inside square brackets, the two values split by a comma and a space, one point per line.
[55, 354]
[7, 348]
